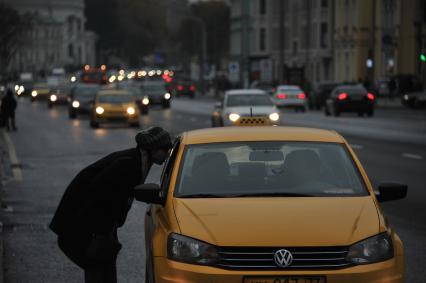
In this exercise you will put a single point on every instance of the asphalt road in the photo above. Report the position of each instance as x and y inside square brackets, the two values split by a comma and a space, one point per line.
[52, 149]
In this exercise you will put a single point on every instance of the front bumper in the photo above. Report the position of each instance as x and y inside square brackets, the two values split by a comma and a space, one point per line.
[167, 271]
[106, 118]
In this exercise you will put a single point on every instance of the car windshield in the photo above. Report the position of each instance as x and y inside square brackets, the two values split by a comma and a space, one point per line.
[154, 88]
[290, 90]
[115, 98]
[268, 169]
[85, 92]
[236, 100]
[353, 91]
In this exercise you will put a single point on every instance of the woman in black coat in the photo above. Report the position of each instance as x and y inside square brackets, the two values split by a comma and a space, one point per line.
[97, 201]
[8, 107]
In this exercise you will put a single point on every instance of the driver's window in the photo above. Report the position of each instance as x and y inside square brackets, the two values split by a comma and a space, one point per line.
[168, 168]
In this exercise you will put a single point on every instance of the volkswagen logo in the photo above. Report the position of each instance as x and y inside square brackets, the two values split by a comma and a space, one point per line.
[283, 258]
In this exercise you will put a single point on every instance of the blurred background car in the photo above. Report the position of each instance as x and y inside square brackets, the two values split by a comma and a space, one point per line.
[135, 89]
[40, 91]
[59, 95]
[414, 100]
[81, 99]
[350, 98]
[157, 93]
[290, 96]
[245, 107]
[267, 87]
[185, 87]
[320, 94]
[114, 106]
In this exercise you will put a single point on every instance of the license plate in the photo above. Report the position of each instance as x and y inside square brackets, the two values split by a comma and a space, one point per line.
[285, 279]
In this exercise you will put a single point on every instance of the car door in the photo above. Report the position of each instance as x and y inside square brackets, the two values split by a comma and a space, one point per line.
[151, 221]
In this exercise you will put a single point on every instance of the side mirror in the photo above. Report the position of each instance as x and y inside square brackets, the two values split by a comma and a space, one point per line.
[218, 105]
[391, 191]
[148, 193]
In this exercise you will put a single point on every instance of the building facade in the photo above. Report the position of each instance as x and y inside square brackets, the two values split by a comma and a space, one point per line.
[281, 35]
[330, 40]
[57, 39]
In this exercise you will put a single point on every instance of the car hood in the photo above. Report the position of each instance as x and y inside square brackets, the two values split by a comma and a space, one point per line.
[275, 222]
[257, 110]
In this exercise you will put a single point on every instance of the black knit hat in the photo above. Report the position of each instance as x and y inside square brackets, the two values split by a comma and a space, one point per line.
[154, 138]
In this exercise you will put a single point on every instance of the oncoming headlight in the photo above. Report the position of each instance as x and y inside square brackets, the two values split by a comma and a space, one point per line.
[76, 104]
[131, 111]
[100, 110]
[406, 97]
[274, 117]
[167, 96]
[145, 101]
[375, 249]
[53, 98]
[184, 249]
[34, 93]
[234, 117]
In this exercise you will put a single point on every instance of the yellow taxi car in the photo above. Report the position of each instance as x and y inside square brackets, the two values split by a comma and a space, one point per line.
[114, 106]
[40, 91]
[268, 205]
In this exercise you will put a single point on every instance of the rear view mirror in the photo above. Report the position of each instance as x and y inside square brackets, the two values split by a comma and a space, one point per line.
[148, 193]
[266, 155]
[391, 191]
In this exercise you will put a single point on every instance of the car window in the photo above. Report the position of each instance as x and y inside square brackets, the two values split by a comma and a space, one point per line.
[236, 100]
[168, 168]
[290, 90]
[115, 99]
[352, 91]
[252, 168]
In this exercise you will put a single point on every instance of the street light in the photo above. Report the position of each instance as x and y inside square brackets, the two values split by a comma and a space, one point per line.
[204, 51]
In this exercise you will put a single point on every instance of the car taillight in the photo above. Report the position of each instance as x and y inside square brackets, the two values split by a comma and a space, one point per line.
[192, 88]
[370, 96]
[180, 87]
[301, 96]
[343, 96]
[282, 96]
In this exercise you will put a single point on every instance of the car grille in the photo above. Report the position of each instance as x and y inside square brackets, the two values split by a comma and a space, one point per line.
[263, 258]
[252, 121]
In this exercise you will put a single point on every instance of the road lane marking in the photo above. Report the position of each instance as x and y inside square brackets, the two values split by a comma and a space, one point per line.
[16, 165]
[357, 146]
[412, 156]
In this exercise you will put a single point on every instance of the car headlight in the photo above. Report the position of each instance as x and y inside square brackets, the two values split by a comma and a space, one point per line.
[16, 87]
[234, 117]
[167, 96]
[53, 98]
[274, 117]
[76, 104]
[185, 249]
[34, 93]
[21, 88]
[145, 101]
[100, 110]
[374, 249]
[131, 111]
[406, 97]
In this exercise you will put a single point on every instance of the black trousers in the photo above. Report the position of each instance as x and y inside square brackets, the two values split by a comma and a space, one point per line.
[10, 121]
[101, 272]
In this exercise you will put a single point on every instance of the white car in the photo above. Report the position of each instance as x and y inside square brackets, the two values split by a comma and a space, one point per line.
[245, 107]
[290, 96]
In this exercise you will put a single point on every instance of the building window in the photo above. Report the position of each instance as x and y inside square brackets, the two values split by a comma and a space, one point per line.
[262, 45]
[324, 35]
[70, 51]
[262, 7]
[324, 3]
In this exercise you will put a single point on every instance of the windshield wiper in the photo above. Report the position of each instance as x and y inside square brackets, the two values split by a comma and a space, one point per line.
[283, 194]
[204, 196]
